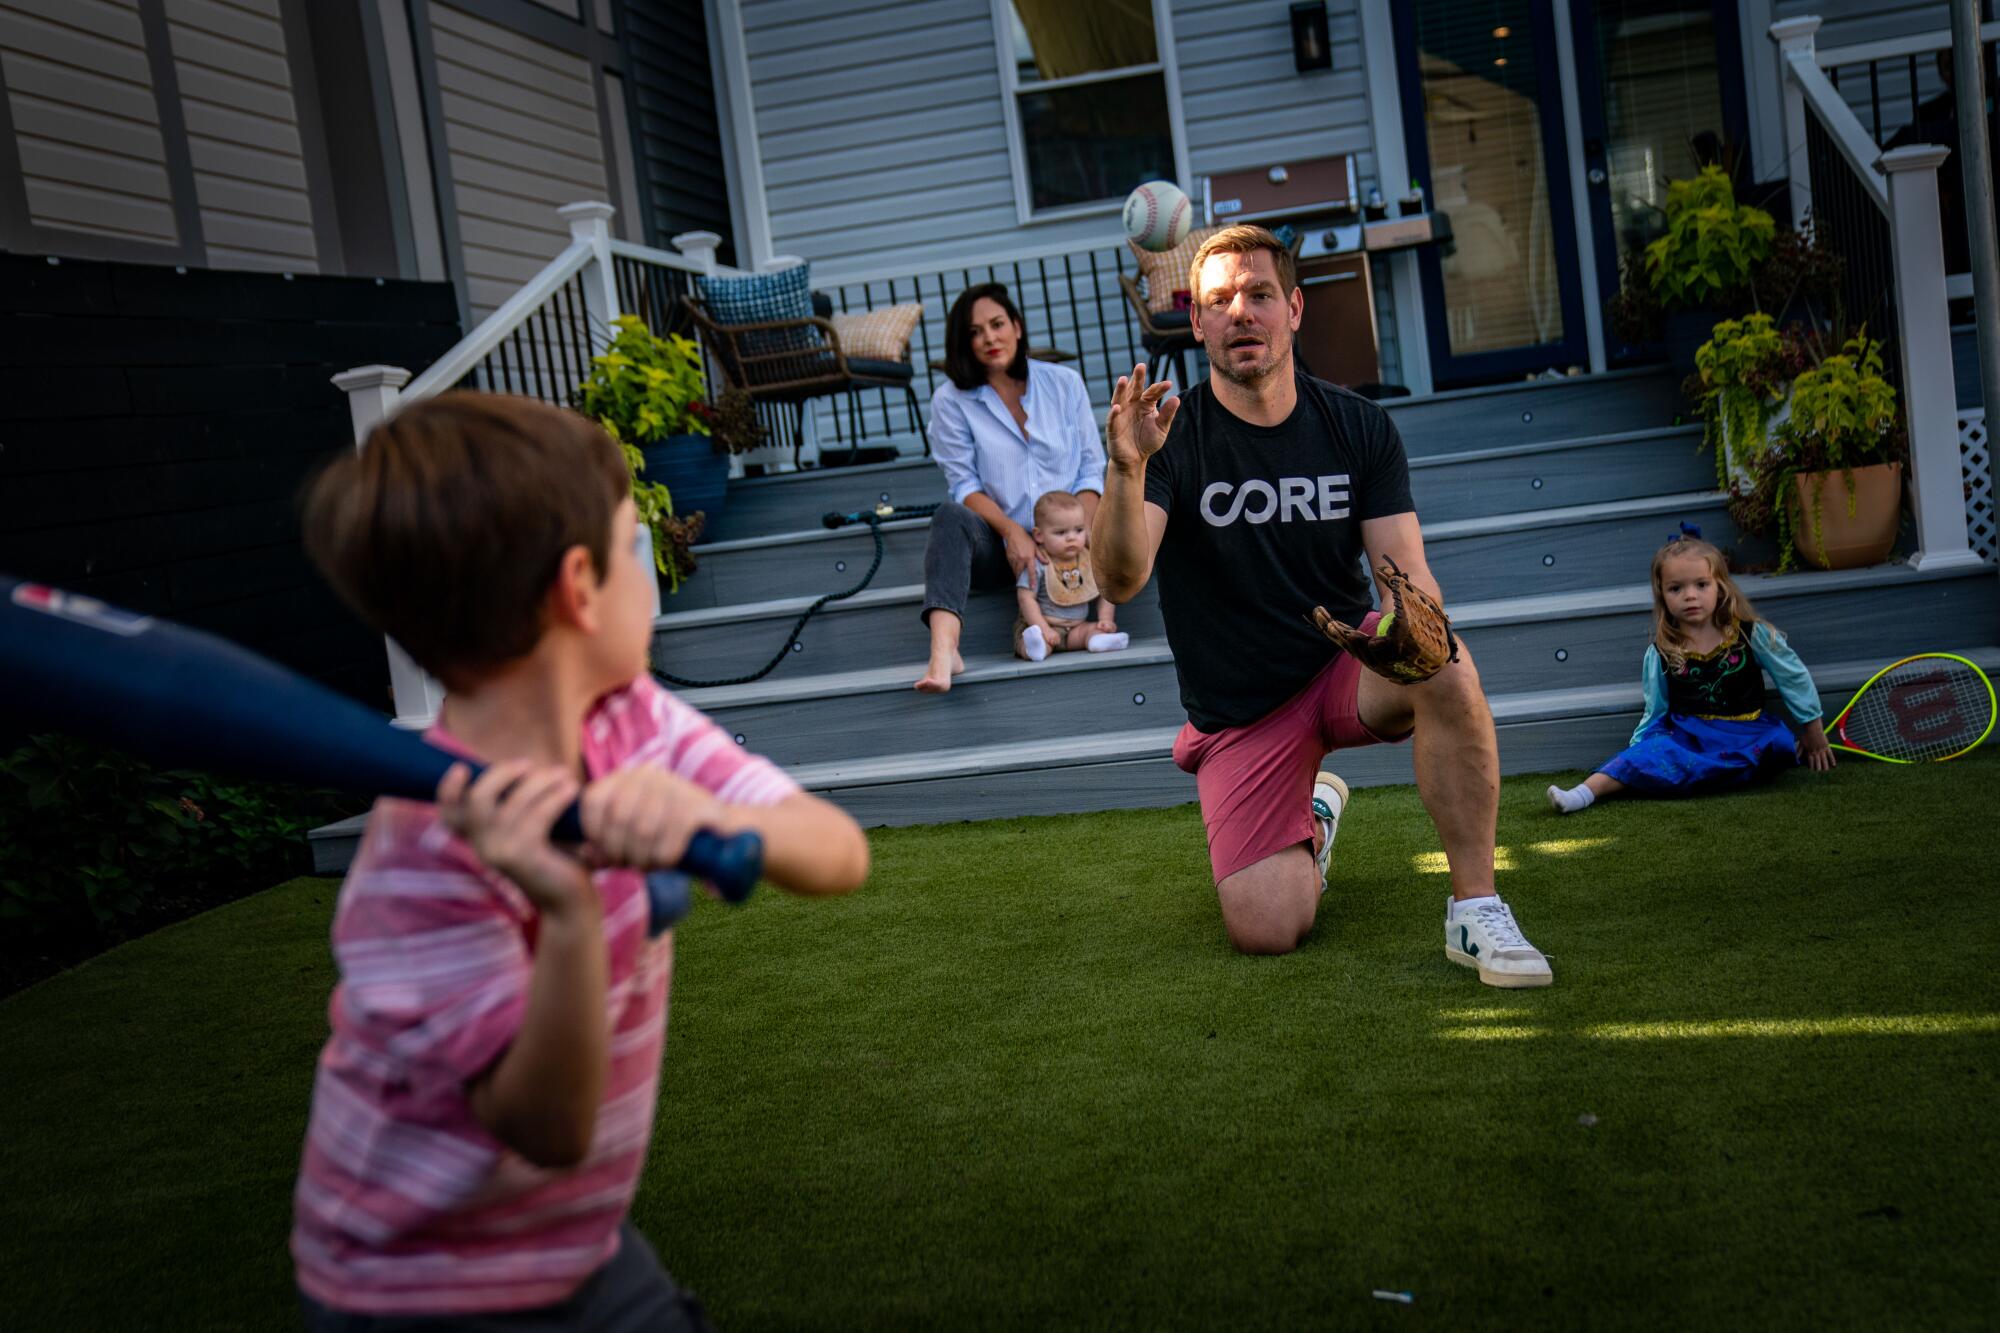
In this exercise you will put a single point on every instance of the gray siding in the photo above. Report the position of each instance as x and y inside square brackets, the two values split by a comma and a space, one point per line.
[1845, 22]
[883, 138]
[80, 90]
[243, 134]
[523, 136]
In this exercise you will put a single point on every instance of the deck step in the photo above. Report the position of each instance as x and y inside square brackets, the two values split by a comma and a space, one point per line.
[1540, 731]
[1130, 767]
[1460, 425]
[1570, 638]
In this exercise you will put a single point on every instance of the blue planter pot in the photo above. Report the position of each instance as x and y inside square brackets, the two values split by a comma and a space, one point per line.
[690, 468]
[1685, 332]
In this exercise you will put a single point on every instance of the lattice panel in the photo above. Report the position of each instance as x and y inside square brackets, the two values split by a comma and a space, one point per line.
[1982, 529]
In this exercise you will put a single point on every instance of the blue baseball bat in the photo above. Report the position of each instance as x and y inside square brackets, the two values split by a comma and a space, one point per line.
[179, 696]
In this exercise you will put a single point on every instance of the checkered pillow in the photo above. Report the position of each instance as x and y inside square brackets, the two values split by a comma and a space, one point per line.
[759, 298]
[1166, 271]
[878, 335]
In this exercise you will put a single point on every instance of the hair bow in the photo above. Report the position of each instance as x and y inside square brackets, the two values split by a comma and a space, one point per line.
[1688, 532]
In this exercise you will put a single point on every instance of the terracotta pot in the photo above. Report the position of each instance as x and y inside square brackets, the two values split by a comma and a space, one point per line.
[1847, 542]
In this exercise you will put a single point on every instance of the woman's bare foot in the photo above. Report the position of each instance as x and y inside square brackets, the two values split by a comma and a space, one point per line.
[937, 678]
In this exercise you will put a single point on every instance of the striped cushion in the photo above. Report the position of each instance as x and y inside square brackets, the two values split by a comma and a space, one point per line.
[1166, 271]
[759, 298]
[878, 335]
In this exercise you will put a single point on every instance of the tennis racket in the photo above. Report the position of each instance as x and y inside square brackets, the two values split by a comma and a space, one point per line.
[1930, 707]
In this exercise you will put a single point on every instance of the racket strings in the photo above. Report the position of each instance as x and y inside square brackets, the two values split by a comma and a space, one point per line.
[1924, 710]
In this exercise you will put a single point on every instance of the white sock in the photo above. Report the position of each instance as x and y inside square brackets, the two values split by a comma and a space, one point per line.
[1033, 645]
[1573, 800]
[1462, 907]
[1109, 643]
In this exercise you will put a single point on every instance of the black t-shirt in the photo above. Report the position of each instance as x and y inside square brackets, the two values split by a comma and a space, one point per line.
[1263, 524]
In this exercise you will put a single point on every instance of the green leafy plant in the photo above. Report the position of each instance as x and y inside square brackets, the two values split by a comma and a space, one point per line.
[672, 533]
[1745, 371]
[1843, 416]
[93, 840]
[1711, 246]
[644, 385]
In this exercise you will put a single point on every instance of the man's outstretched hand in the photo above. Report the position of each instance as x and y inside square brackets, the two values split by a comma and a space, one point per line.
[1138, 423]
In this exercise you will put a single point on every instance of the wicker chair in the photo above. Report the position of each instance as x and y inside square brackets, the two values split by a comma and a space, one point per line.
[1163, 333]
[790, 362]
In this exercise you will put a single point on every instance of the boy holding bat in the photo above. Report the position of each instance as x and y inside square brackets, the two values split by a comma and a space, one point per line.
[483, 1106]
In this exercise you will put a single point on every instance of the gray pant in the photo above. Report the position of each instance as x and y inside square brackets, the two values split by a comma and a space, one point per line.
[963, 553]
[630, 1294]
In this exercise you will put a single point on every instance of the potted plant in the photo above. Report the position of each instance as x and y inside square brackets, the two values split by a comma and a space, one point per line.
[1710, 249]
[645, 389]
[1745, 369]
[669, 535]
[1833, 478]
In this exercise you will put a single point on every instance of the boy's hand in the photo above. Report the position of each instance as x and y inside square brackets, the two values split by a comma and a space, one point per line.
[643, 817]
[506, 816]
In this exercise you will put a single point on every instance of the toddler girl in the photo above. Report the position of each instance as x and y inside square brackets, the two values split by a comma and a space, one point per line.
[1706, 725]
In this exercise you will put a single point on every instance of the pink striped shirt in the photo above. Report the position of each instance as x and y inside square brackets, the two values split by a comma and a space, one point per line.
[405, 1203]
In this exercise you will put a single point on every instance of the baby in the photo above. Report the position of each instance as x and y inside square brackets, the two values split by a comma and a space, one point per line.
[1056, 589]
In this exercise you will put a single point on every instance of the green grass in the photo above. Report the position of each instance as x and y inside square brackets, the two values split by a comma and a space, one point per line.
[1020, 1080]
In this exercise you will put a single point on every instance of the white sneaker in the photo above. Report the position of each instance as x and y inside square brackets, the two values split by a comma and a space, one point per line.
[1329, 799]
[1487, 938]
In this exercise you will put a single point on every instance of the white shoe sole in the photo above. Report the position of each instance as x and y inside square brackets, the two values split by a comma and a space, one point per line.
[1334, 783]
[1503, 980]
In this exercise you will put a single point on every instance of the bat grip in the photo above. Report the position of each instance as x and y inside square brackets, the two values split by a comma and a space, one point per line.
[733, 865]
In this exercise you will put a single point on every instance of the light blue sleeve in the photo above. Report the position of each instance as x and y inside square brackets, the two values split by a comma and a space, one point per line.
[1090, 466]
[1653, 683]
[1795, 683]
[951, 443]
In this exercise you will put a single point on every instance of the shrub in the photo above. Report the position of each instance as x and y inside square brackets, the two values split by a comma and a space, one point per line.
[1711, 246]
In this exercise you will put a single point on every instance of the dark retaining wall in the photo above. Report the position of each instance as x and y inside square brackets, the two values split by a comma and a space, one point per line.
[156, 426]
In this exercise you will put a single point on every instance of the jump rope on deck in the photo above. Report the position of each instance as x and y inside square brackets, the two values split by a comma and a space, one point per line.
[874, 518]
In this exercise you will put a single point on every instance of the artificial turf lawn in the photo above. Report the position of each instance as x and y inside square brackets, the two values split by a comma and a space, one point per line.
[1021, 1080]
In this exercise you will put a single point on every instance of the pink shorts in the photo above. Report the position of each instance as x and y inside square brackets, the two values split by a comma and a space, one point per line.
[1256, 780]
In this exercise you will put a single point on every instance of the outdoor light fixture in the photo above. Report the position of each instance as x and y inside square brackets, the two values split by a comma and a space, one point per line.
[1312, 46]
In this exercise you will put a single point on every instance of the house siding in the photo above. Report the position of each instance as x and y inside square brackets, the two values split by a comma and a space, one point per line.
[231, 63]
[86, 119]
[676, 135]
[913, 169]
[523, 139]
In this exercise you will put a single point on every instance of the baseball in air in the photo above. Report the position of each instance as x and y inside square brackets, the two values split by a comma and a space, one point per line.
[1158, 215]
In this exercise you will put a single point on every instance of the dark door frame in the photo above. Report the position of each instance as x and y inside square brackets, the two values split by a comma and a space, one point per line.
[1448, 370]
[1593, 131]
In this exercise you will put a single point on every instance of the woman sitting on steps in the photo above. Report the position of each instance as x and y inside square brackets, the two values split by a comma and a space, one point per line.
[1006, 429]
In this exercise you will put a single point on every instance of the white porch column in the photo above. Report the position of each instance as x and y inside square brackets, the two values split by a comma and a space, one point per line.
[1795, 39]
[372, 394]
[591, 224]
[1923, 336]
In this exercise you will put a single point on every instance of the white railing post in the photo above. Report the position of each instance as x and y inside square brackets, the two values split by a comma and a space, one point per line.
[700, 247]
[372, 394]
[590, 223]
[1795, 40]
[1923, 337]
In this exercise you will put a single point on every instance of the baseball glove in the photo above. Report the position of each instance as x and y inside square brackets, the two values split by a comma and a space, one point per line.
[1413, 639]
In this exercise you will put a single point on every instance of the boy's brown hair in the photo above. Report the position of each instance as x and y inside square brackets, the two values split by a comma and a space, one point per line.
[1242, 239]
[446, 529]
[1053, 501]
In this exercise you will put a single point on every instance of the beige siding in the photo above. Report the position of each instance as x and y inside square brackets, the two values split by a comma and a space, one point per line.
[85, 119]
[523, 137]
[243, 134]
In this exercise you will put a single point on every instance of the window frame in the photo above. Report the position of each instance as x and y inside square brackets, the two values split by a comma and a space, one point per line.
[1011, 88]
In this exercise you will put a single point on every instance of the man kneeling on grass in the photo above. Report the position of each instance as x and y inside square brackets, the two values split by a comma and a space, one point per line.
[1255, 496]
[483, 1106]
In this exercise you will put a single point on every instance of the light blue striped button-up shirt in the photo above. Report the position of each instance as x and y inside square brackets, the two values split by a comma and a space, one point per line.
[974, 439]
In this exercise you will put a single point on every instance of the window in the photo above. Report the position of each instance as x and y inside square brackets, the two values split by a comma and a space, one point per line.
[1092, 101]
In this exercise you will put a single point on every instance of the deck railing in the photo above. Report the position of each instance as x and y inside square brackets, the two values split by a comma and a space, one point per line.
[538, 344]
[1884, 208]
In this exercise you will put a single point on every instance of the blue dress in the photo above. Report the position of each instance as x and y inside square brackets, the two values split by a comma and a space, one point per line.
[1706, 726]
